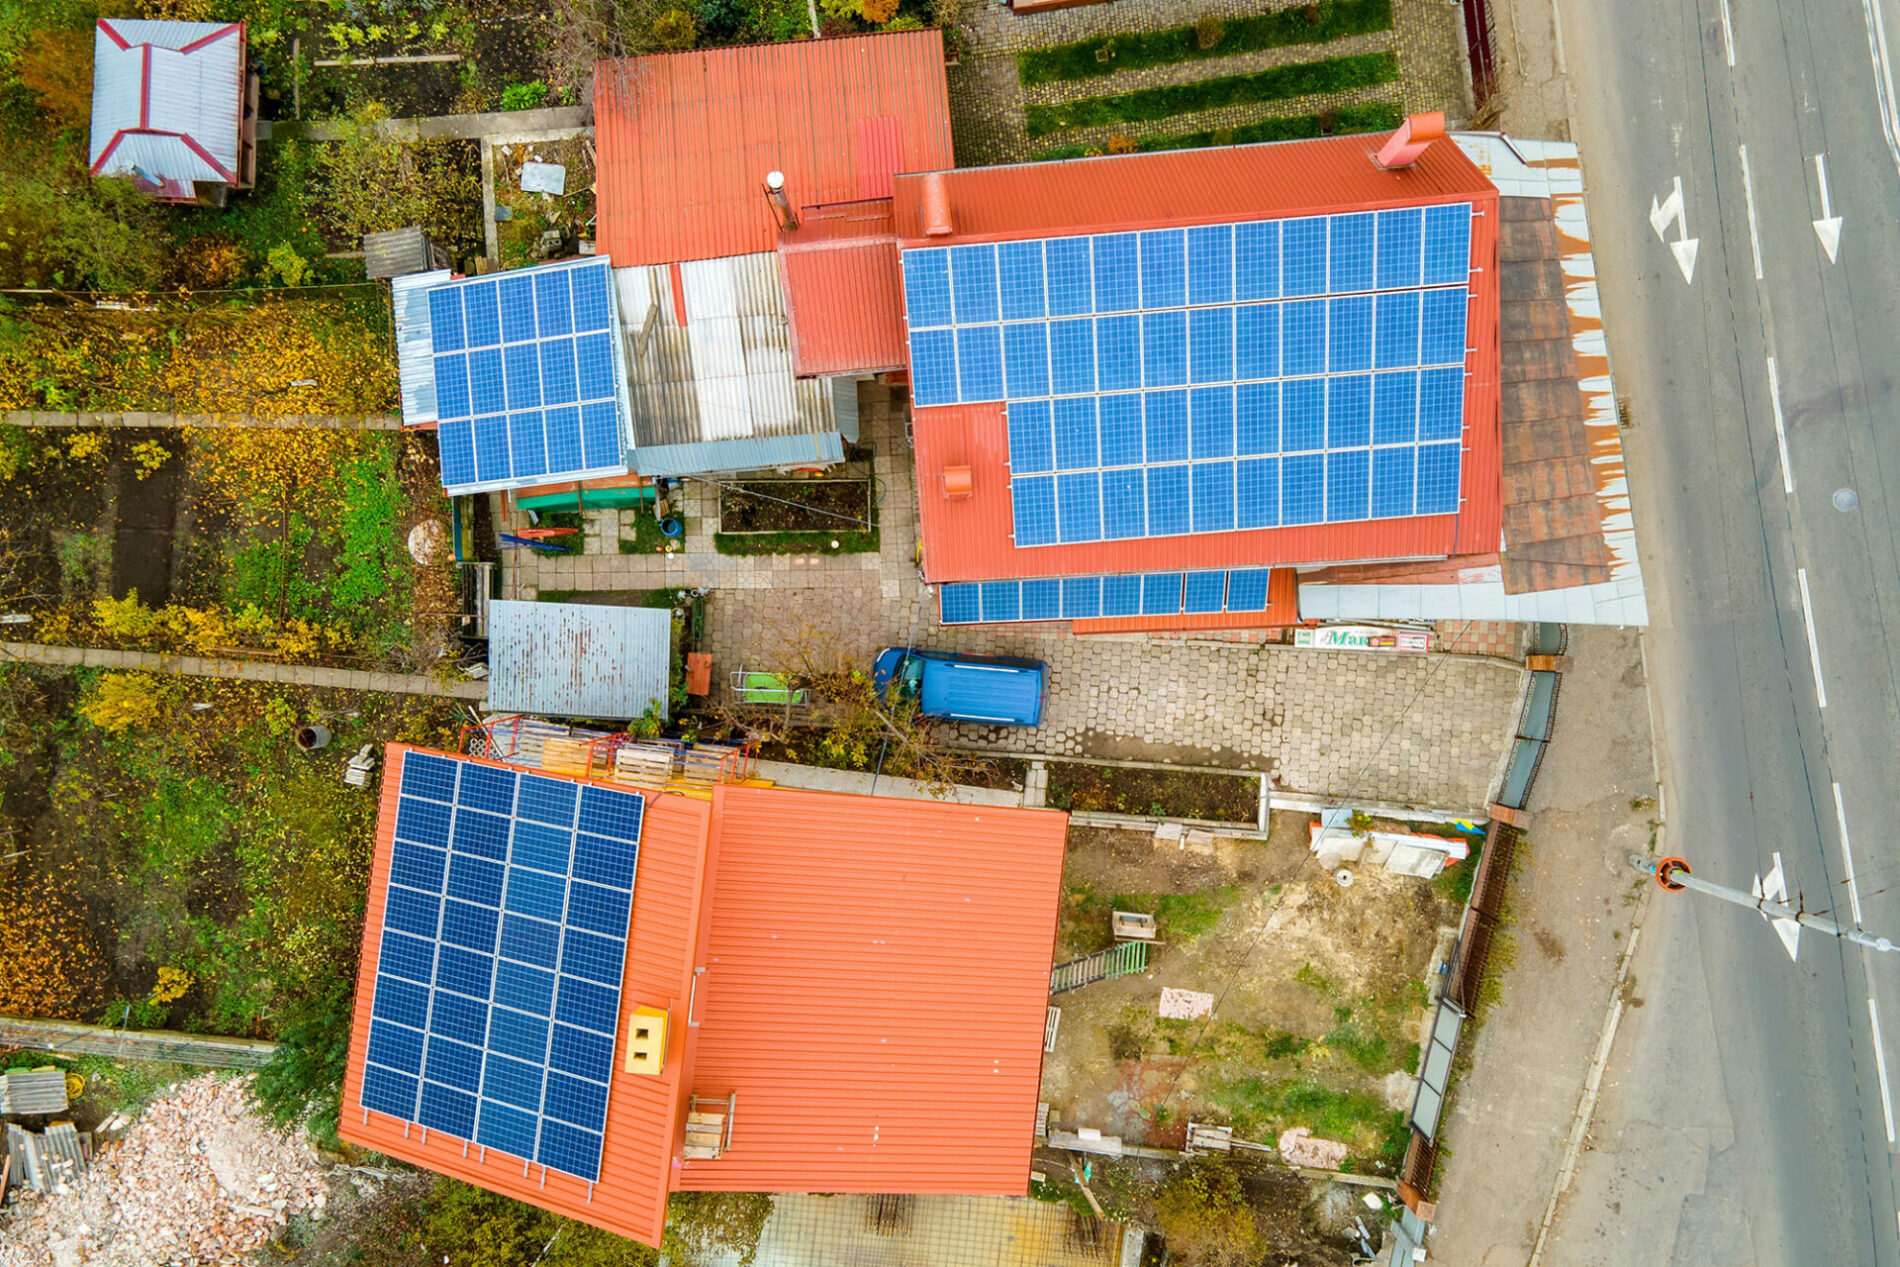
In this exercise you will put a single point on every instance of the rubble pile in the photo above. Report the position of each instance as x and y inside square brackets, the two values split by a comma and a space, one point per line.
[199, 1178]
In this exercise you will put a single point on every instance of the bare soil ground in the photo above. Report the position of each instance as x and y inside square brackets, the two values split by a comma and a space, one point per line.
[1319, 993]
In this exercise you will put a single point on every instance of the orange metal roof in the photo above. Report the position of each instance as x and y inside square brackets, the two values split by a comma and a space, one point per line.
[872, 977]
[685, 139]
[644, 1113]
[1182, 187]
[843, 290]
[968, 539]
[877, 976]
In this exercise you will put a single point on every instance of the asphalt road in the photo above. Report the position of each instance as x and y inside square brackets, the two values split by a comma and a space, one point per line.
[1746, 1117]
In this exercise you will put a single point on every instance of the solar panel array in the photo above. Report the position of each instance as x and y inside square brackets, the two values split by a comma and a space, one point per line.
[1223, 377]
[503, 944]
[527, 376]
[1090, 597]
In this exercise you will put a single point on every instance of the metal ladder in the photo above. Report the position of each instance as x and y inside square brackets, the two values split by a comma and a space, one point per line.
[1124, 960]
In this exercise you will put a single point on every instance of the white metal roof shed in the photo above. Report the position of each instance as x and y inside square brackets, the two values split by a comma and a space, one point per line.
[577, 660]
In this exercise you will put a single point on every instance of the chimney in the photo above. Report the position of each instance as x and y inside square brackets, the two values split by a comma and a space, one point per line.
[1417, 132]
[957, 485]
[781, 207]
[937, 222]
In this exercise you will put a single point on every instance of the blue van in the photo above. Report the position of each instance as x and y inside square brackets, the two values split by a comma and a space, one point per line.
[1000, 690]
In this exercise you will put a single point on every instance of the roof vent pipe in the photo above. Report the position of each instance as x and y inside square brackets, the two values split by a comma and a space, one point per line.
[937, 222]
[781, 206]
[1406, 144]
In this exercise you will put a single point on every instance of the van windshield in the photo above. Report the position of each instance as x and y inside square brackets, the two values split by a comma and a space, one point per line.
[909, 677]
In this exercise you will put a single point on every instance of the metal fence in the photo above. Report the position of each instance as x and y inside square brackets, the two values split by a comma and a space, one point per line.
[1484, 74]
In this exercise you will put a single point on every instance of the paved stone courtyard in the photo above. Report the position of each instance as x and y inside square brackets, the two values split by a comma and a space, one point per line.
[1422, 729]
[987, 99]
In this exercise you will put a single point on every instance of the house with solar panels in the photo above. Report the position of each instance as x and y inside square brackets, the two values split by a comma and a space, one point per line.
[589, 997]
[174, 108]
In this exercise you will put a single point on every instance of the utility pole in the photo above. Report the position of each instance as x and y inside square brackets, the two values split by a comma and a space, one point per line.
[1769, 898]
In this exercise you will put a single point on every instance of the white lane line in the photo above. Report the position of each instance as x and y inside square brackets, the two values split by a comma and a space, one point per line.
[1781, 427]
[1883, 74]
[1814, 648]
[1748, 194]
[1728, 36]
[1847, 857]
[1880, 1067]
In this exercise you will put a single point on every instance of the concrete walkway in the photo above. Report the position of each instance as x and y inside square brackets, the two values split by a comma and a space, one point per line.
[1420, 730]
[899, 1231]
[137, 418]
[241, 670]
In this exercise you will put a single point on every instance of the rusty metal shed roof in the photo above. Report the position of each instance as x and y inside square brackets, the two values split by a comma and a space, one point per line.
[576, 660]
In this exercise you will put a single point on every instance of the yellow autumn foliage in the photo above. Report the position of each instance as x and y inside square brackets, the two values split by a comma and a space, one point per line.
[210, 630]
[123, 701]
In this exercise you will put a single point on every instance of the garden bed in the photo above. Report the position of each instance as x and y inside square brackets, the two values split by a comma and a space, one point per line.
[1154, 793]
[1375, 116]
[819, 505]
[1303, 79]
[1318, 23]
[822, 542]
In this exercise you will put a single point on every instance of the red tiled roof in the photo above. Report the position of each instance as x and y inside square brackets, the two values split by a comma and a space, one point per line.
[644, 1113]
[877, 980]
[1182, 187]
[843, 291]
[968, 538]
[685, 139]
[868, 975]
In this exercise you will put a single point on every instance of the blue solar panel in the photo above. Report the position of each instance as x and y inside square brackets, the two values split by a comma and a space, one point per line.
[1350, 262]
[1019, 276]
[1042, 600]
[535, 338]
[1437, 479]
[518, 972]
[1392, 481]
[1033, 506]
[1247, 590]
[1301, 337]
[1081, 597]
[1161, 594]
[1121, 596]
[1002, 600]
[1206, 592]
[959, 604]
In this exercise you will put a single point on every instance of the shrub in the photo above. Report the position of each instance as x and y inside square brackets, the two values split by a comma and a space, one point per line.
[1204, 1215]
[1301, 79]
[291, 267]
[374, 183]
[57, 66]
[879, 12]
[121, 701]
[527, 96]
[302, 1083]
[1208, 33]
[675, 29]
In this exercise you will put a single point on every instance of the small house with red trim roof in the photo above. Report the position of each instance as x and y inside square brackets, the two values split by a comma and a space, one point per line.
[174, 108]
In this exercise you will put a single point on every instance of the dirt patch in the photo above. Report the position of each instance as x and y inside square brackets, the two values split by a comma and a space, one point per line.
[1319, 991]
[533, 215]
[793, 505]
[1156, 793]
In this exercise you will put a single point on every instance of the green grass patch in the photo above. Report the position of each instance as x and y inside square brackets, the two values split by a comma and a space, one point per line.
[1372, 116]
[647, 537]
[1262, 1107]
[752, 543]
[1085, 59]
[1302, 79]
[1182, 916]
[1455, 882]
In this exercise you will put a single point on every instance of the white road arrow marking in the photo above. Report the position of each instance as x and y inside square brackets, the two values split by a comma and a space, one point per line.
[1775, 889]
[1661, 215]
[1828, 227]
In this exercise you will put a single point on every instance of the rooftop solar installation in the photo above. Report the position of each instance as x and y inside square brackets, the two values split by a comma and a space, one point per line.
[528, 377]
[1209, 379]
[503, 943]
[1095, 597]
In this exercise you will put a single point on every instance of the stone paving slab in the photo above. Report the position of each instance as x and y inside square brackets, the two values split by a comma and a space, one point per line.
[1427, 730]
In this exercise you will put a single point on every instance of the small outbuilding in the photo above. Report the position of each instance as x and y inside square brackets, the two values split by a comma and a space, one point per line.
[174, 108]
[579, 660]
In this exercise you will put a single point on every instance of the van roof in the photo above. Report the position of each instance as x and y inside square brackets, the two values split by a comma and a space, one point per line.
[1004, 692]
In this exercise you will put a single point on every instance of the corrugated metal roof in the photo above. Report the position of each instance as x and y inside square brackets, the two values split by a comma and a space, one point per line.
[969, 538]
[396, 252]
[844, 290]
[168, 98]
[578, 660]
[868, 975]
[876, 986]
[726, 373]
[644, 1112]
[415, 349]
[686, 139]
[725, 456]
[1182, 187]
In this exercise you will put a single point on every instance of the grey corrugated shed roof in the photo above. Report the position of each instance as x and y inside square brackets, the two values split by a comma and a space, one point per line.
[576, 660]
[727, 373]
[396, 252]
[415, 360]
[33, 1091]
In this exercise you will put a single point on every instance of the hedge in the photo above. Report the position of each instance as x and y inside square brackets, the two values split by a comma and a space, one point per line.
[1375, 116]
[1302, 79]
[849, 542]
[1330, 20]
